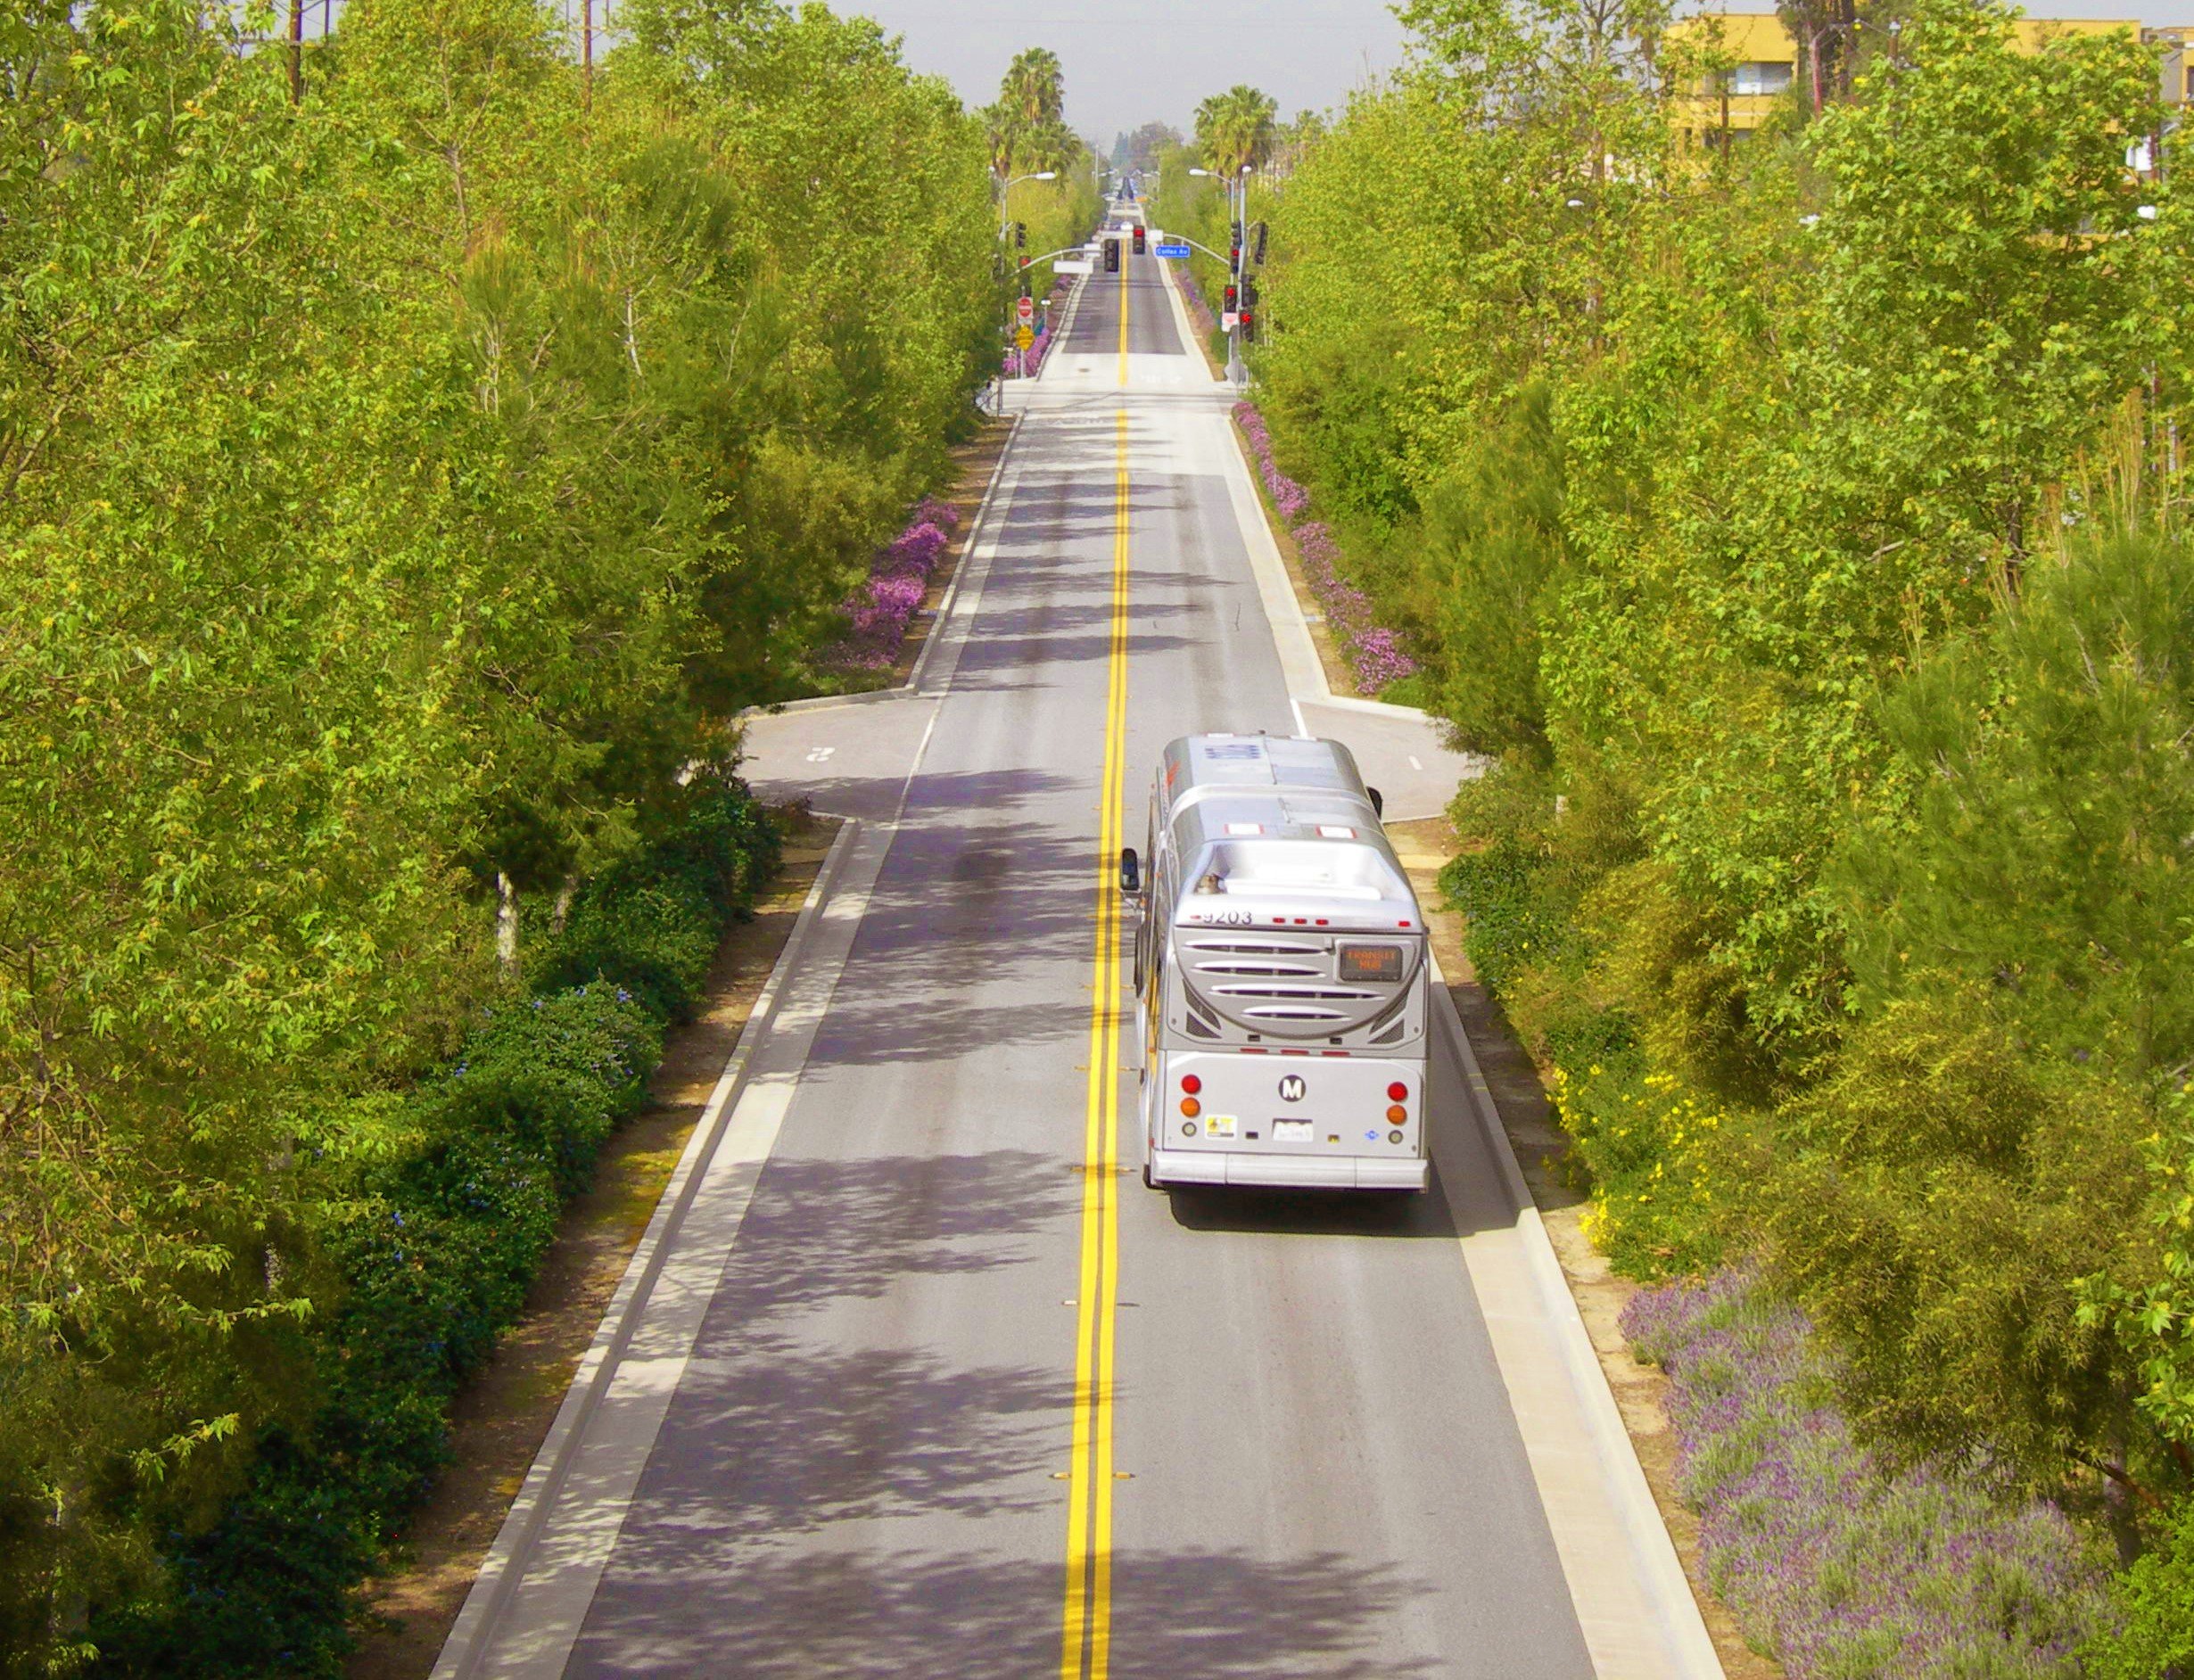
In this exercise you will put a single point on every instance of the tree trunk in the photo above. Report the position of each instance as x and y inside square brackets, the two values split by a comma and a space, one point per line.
[505, 923]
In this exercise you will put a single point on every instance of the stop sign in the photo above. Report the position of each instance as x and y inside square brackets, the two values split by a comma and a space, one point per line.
[1026, 309]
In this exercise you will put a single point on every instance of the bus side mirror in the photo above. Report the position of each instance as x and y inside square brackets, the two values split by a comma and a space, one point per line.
[1131, 871]
[1378, 802]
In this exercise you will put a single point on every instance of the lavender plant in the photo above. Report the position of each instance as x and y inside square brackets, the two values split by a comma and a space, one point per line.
[1833, 1567]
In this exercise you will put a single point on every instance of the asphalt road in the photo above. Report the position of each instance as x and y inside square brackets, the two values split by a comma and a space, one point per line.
[956, 1397]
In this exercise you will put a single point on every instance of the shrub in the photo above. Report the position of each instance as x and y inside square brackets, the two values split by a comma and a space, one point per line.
[436, 1215]
[2153, 1635]
[1512, 914]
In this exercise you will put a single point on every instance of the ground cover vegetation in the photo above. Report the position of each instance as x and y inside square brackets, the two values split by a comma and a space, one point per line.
[409, 459]
[1800, 527]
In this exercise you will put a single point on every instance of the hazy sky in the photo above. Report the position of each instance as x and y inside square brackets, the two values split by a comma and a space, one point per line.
[1151, 60]
[1131, 62]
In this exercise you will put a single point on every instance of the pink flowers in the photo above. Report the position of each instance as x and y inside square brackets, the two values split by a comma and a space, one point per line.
[1289, 498]
[1374, 652]
[879, 612]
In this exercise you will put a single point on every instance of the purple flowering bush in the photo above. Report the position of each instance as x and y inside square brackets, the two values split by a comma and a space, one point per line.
[1374, 652]
[880, 610]
[1833, 1567]
[1291, 499]
[1193, 294]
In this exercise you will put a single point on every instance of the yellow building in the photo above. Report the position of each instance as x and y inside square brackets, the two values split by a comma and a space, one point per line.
[1762, 62]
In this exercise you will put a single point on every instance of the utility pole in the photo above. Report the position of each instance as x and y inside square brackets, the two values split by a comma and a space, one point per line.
[586, 53]
[297, 52]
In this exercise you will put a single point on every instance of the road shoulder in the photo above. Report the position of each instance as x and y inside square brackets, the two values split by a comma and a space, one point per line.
[500, 1419]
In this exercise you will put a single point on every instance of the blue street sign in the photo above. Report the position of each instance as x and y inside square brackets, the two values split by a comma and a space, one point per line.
[1172, 251]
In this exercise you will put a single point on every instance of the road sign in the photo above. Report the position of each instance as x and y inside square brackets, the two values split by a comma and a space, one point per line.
[1173, 250]
[1026, 309]
[1023, 338]
[1073, 265]
[1229, 321]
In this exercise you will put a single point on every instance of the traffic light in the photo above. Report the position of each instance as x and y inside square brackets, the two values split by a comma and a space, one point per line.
[1248, 326]
[1249, 294]
[1020, 235]
[1260, 258]
[1140, 236]
[1237, 232]
[1233, 300]
[1112, 256]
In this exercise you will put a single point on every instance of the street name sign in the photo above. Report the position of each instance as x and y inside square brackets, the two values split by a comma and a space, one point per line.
[1073, 265]
[1173, 250]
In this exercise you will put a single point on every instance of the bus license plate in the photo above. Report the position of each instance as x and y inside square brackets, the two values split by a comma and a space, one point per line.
[1292, 1131]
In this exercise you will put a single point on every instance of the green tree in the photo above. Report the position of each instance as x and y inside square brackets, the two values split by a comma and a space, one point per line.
[1234, 129]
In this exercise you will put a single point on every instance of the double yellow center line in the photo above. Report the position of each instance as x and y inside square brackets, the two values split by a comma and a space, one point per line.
[1126, 256]
[1086, 1643]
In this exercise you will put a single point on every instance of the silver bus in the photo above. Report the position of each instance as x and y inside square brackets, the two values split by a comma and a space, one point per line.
[1279, 960]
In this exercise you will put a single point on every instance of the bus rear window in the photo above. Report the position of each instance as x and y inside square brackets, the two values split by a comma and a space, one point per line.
[1371, 962]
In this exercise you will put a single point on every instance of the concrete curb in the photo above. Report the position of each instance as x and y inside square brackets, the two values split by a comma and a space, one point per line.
[471, 1637]
[912, 685]
[1684, 1640]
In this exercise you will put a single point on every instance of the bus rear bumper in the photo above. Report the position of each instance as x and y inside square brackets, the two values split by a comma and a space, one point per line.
[1287, 1172]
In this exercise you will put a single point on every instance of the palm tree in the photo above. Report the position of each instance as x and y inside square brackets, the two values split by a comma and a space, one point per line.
[1026, 126]
[1035, 88]
[1236, 128]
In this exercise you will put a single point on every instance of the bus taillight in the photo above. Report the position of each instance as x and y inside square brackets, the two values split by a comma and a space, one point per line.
[1397, 1092]
[1190, 1084]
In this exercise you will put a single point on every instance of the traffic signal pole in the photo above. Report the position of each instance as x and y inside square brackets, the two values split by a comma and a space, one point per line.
[1238, 207]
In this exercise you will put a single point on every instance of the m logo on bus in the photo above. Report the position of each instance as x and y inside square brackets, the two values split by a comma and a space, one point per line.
[1291, 1088]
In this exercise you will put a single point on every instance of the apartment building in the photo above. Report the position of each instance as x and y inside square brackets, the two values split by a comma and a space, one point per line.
[1763, 64]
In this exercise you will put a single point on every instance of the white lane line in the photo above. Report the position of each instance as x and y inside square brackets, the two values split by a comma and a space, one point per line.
[531, 1593]
[956, 614]
[1182, 327]
[527, 1606]
[1299, 667]
[1415, 763]
[1633, 1603]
